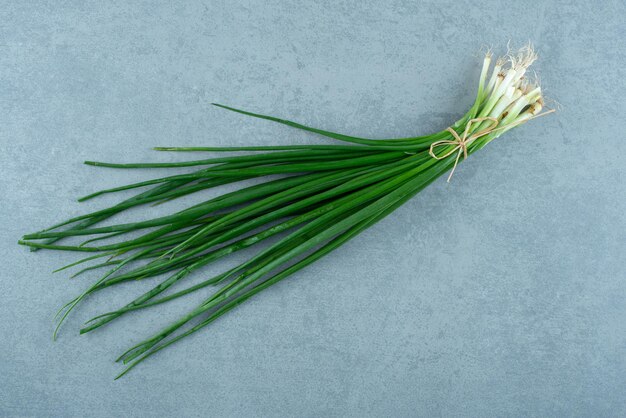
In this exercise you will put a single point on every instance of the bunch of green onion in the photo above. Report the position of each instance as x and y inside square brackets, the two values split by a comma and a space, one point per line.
[319, 197]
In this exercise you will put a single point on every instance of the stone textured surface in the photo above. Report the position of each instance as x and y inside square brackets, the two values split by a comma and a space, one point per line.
[501, 293]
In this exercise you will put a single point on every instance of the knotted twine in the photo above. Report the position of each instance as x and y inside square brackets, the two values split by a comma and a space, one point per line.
[461, 142]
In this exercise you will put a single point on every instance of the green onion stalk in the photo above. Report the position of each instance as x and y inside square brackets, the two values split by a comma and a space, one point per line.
[311, 200]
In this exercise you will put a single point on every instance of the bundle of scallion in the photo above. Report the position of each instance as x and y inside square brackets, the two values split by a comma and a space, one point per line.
[324, 195]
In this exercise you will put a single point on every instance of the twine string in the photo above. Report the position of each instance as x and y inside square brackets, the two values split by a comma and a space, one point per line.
[462, 142]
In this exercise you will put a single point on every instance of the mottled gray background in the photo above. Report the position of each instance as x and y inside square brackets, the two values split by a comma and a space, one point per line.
[501, 293]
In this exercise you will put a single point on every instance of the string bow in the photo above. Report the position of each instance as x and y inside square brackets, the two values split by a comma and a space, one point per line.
[461, 142]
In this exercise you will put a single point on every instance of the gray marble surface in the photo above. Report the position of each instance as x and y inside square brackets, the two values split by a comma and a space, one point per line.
[501, 293]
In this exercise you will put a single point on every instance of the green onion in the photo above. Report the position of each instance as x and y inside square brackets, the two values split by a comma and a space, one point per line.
[318, 198]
